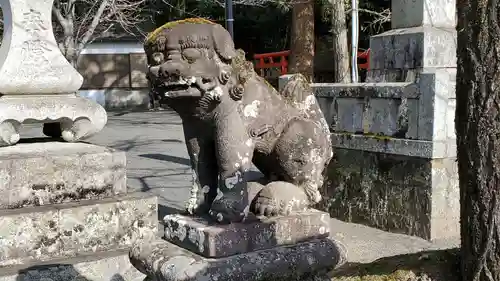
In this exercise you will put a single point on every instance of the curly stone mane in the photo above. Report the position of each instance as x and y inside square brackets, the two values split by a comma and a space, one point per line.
[155, 41]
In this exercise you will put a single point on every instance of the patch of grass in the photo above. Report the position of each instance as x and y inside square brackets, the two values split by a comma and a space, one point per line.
[442, 265]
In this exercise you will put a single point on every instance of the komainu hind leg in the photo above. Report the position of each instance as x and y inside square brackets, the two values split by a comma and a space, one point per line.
[302, 152]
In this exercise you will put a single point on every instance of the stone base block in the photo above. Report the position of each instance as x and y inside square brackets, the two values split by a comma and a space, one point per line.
[395, 52]
[403, 194]
[108, 266]
[43, 173]
[65, 230]
[168, 262]
[215, 240]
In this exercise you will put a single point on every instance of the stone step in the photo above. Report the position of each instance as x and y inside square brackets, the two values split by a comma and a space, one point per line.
[41, 173]
[101, 266]
[65, 230]
[162, 260]
[214, 240]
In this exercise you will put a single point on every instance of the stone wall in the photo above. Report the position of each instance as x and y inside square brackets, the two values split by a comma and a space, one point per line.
[399, 193]
[395, 163]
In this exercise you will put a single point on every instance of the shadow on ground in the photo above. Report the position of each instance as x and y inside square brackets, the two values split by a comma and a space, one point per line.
[440, 265]
[168, 158]
[56, 272]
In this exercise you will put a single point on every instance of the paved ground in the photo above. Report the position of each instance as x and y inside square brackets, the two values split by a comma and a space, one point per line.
[158, 163]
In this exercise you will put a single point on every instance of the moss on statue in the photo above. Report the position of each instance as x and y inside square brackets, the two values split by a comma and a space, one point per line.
[152, 36]
[440, 265]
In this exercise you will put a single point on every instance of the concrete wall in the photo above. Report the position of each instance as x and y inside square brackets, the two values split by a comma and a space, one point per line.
[115, 75]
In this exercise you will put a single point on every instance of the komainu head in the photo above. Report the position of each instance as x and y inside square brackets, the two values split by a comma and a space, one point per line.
[189, 58]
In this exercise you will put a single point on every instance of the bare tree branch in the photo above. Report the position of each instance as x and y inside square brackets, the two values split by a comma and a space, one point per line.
[57, 12]
[95, 21]
[80, 22]
[258, 3]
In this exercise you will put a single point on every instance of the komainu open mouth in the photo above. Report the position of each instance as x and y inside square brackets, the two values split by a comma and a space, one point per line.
[176, 88]
[180, 87]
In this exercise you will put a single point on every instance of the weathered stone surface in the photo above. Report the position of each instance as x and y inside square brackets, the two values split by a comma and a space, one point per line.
[167, 262]
[56, 172]
[391, 145]
[31, 60]
[414, 119]
[409, 195]
[389, 109]
[26, 235]
[46, 232]
[436, 119]
[209, 240]
[412, 13]
[108, 266]
[399, 55]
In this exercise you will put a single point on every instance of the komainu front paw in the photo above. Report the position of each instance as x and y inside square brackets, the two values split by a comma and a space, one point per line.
[197, 209]
[200, 200]
[228, 210]
[280, 198]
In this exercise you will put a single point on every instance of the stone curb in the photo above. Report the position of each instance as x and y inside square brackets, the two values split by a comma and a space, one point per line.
[164, 261]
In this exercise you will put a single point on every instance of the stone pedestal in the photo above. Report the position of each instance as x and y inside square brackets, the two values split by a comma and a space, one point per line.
[37, 83]
[65, 211]
[216, 241]
[395, 164]
[288, 248]
[422, 40]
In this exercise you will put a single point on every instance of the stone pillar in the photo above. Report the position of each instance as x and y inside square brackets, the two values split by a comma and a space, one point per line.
[37, 83]
[395, 140]
[422, 39]
[65, 211]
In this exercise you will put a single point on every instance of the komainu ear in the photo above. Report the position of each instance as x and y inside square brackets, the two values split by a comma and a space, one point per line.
[223, 43]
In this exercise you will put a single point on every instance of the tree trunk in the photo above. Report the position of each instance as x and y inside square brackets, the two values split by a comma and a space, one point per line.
[70, 50]
[340, 58]
[302, 39]
[477, 124]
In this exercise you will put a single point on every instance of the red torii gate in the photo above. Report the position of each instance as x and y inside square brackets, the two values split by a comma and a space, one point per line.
[280, 60]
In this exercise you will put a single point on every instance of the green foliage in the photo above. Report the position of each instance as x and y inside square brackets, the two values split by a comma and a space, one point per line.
[257, 29]
[264, 25]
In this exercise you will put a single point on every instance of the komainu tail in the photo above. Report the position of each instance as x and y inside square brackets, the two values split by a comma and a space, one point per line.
[299, 94]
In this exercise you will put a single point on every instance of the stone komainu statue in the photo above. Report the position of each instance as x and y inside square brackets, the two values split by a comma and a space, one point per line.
[232, 118]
